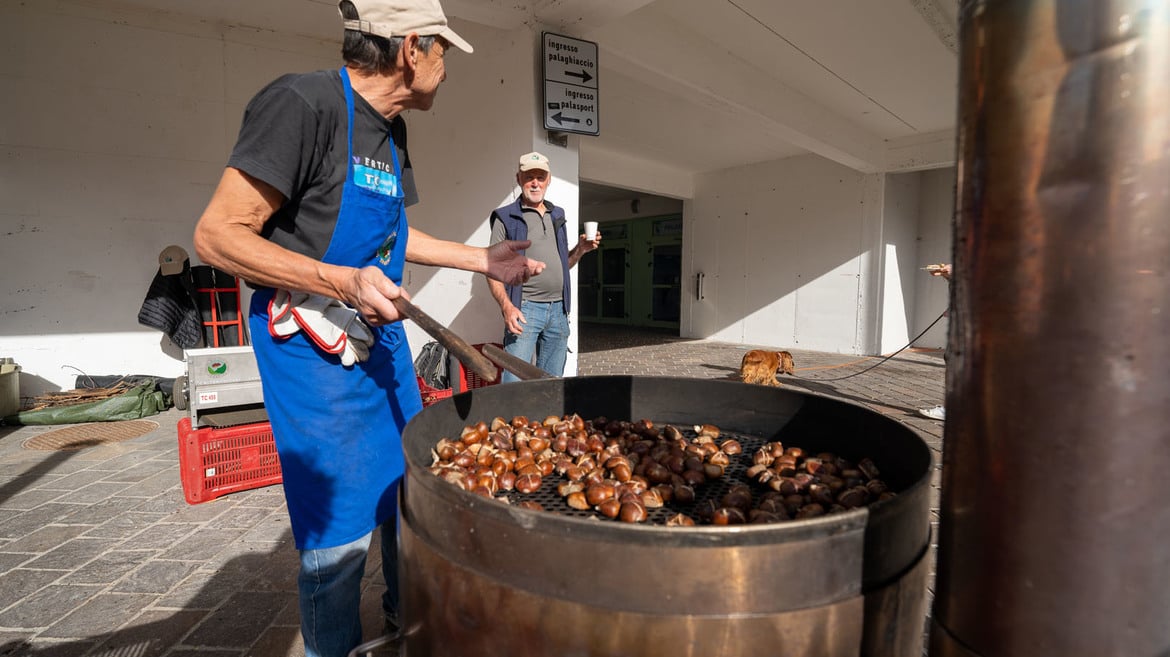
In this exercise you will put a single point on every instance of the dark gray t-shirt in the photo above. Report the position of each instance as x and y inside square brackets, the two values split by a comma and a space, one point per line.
[294, 137]
[547, 286]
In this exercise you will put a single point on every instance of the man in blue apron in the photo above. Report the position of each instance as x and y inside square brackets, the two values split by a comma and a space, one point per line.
[311, 212]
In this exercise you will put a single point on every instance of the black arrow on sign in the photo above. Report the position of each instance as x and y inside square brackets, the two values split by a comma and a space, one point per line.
[584, 75]
[560, 118]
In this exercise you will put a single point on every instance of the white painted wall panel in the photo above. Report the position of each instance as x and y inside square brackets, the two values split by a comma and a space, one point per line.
[899, 250]
[932, 294]
[110, 151]
[763, 232]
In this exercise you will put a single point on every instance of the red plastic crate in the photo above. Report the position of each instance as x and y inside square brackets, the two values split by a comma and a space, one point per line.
[216, 461]
[470, 380]
[432, 395]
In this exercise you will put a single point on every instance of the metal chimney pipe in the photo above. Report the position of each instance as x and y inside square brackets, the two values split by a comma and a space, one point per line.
[1054, 534]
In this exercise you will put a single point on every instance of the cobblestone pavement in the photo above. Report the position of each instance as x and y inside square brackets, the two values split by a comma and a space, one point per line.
[101, 556]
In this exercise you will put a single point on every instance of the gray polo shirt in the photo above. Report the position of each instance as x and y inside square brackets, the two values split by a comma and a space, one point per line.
[548, 284]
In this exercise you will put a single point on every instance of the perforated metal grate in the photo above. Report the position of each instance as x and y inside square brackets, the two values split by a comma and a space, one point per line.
[88, 435]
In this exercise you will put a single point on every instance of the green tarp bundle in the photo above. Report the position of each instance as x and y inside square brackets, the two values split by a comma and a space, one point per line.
[142, 400]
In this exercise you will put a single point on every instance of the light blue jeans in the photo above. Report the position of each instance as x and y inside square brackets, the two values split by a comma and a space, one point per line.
[545, 336]
[330, 589]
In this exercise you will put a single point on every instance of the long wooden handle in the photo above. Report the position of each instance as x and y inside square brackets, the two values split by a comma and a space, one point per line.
[525, 370]
[467, 354]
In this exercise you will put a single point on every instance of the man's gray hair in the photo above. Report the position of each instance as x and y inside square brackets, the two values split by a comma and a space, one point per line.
[370, 53]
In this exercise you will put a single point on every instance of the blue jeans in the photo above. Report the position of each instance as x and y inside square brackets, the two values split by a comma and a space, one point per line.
[330, 590]
[545, 336]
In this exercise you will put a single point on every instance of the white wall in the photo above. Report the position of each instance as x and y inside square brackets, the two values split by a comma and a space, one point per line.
[779, 244]
[898, 247]
[112, 147]
[935, 225]
[806, 253]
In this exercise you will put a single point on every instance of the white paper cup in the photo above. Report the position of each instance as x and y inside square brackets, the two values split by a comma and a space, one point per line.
[590, 230]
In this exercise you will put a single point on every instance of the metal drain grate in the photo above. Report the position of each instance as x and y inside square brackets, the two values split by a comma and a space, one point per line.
[89, 435]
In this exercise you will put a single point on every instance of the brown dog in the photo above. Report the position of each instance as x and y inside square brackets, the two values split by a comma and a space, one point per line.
[759, 366]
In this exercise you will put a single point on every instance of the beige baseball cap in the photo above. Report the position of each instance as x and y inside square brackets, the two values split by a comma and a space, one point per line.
[171, 260]
[534, 160]
[397, 18]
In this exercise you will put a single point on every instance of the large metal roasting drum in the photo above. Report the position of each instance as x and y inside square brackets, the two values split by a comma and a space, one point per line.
[484, 578]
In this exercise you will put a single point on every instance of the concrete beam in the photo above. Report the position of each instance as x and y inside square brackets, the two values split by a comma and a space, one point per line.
[665, 54]
[582, 15]
[919, 152]
[616, 169]
[500, 14]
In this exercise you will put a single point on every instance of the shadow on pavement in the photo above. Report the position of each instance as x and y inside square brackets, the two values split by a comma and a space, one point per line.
[230, 611]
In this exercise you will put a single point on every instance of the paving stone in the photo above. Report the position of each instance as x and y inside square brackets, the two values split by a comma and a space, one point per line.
[13, 484]
[268, 497]
[278, 642]
[245, 561]
[44, 539]
[161, 536]
[200, 652]
[46, 606]
[128, 457]
[275, 528]
[32, 499]
[201, 590]
[75, 481]
[155, 577]
[21, 583]
[143, 471]
[201, 545]
[154, 485]
[8, 560]
[167, 502]
[13, 644]
[72, 554]
[243, 517]
[109, 567]
[100, 615]
[49, 648]
[96, 491]
[150, 634]
[238, 622]
[126, 525]
[279, 572]
[94, 514]
[200, 513]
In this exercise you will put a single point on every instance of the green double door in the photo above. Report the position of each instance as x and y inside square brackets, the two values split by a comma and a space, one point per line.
[635, 277]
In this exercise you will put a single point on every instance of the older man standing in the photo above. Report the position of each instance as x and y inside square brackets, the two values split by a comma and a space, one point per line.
[311, 212]
[536, 313]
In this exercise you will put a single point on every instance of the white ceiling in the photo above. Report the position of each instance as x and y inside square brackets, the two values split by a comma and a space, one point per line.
[702, 85]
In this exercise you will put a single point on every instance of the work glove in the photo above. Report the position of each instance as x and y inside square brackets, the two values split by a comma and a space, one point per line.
[333, 326]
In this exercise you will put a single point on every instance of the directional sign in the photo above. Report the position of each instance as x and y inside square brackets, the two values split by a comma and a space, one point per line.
[570, 85]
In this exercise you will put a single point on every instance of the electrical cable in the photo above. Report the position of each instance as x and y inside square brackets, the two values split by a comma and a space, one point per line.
[883, 360]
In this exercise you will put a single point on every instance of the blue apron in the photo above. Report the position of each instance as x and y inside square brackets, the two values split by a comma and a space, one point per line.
[338, 429]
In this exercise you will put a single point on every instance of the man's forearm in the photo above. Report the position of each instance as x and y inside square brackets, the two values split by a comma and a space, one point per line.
[574, 256]
[423, 249]
[499, 293]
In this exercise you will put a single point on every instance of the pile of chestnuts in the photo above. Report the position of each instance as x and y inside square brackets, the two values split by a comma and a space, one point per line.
[630, 471]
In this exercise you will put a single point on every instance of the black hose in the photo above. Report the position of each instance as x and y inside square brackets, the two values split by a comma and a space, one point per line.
[908, 345]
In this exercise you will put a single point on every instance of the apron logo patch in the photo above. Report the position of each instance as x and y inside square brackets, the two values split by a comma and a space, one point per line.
[387, 248]
[382, 182]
